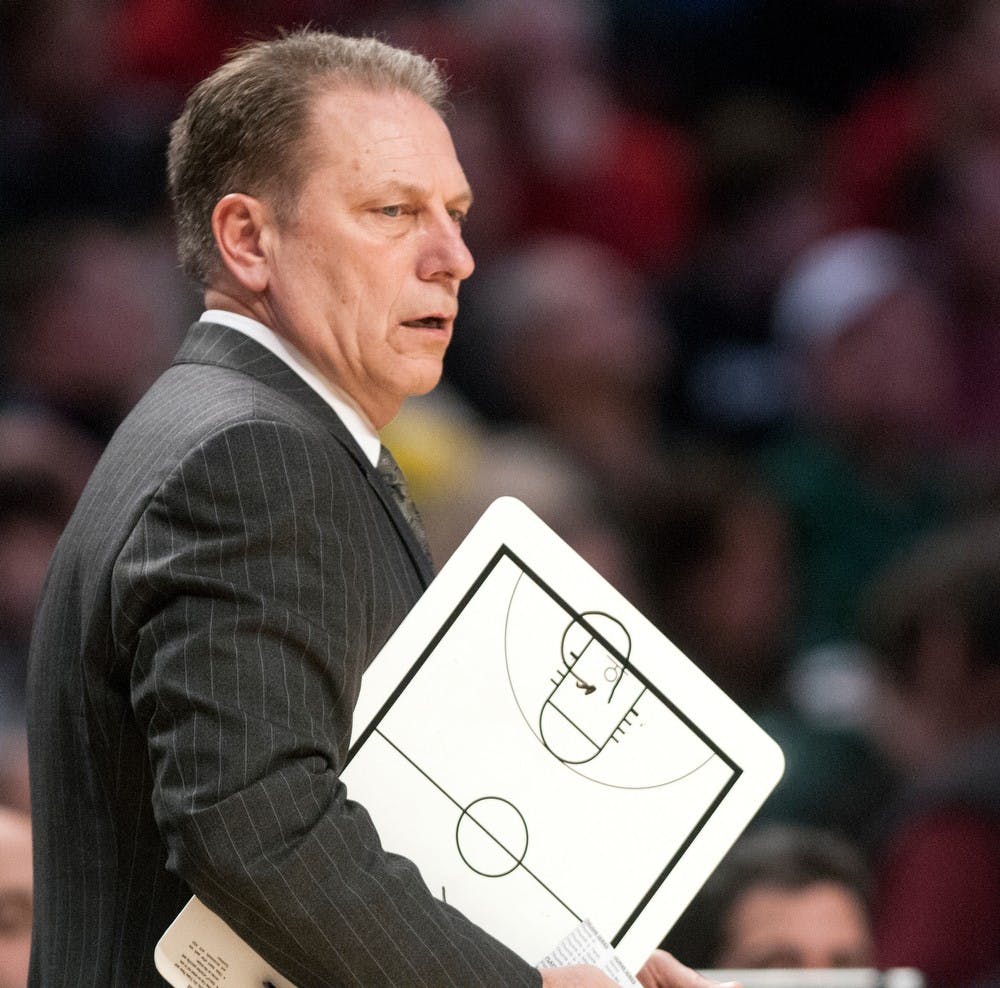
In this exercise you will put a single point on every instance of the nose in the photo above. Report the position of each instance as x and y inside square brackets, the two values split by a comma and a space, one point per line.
[445, 256]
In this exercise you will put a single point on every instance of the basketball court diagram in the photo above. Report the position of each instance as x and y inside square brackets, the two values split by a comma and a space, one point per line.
[531, 767]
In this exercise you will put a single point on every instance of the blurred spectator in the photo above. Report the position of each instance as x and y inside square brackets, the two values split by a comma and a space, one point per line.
[934, 621]
[522, 464]
[880, 144]
[96, 312]
[15, 789]
[544, 125]
[717, 568]
[167, 46]
[44, 463]
[860, 469]
[961, 217]
[459, 466]
[436, 439]
[715, 560]
[590, 165]
[15, 898]
[761, 208]
[568, 330]
[456, 466]
[783, 897]
[71, 138]
[911, 155]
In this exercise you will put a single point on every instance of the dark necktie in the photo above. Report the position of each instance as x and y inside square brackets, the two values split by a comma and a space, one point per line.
[389, 471]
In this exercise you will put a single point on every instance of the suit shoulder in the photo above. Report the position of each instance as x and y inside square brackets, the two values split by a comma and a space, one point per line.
[195, 401]
[196, 410]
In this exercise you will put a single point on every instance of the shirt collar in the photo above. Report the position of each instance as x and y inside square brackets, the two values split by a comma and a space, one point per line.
[356, 422]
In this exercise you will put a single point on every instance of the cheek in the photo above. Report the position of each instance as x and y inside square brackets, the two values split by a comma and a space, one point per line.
[373, 305]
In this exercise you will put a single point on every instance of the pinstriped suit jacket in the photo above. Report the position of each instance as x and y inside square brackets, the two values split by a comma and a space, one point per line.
[233, 566]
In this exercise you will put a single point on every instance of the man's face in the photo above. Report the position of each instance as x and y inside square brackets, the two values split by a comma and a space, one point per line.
[364, 277]
[822, 925]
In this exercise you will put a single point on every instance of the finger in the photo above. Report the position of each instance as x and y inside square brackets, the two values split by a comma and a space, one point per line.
[663, 970]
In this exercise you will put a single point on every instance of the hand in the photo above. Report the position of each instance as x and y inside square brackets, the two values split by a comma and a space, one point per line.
[662, 970]
[577, 976]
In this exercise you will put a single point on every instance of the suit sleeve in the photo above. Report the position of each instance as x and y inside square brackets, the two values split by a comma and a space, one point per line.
[257, 583]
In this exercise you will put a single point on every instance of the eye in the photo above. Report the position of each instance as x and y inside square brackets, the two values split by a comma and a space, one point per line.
[391, 211]
[458, 216]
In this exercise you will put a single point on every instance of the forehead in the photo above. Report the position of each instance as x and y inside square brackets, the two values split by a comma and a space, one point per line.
[823, 909]
[371, 138]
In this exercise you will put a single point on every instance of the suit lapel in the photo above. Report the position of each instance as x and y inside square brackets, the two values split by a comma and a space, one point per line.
[208, 343]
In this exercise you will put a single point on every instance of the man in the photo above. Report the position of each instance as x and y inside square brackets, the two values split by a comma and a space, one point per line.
[784, 897]
[237, 560]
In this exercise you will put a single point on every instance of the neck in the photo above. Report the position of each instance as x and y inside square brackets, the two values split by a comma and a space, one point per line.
[219, 297]
[376, 413]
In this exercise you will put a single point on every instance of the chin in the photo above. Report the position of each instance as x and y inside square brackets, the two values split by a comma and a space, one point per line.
[423, 383]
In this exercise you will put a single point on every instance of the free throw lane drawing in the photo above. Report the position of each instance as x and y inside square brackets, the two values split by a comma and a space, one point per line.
[592, 712]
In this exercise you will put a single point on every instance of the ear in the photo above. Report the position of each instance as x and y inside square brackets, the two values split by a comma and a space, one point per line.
[240, 225]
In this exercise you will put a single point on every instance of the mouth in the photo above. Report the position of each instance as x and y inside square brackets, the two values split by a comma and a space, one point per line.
[428, 322]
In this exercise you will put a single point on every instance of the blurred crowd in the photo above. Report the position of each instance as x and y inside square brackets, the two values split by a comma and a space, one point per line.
[734, 332]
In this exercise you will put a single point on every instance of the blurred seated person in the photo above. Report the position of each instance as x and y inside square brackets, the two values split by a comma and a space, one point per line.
[962, 227]
[934, 621]
[15, 788]
[762, 207]
[784, 897]
[572, 336]
[716, 562]
[524, 464]
[15, 897]
[860, 470]
[44, 462]
[94, 311]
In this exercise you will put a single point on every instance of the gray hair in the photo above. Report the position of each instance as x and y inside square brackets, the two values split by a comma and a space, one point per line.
[244, 128]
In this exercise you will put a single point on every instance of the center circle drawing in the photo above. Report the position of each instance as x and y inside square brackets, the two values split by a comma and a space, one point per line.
[492, 836]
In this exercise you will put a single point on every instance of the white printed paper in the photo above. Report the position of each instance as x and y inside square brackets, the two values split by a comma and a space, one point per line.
[585, 945]
[199, 950]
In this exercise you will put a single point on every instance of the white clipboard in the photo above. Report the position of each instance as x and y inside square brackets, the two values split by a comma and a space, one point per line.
[544, 754]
